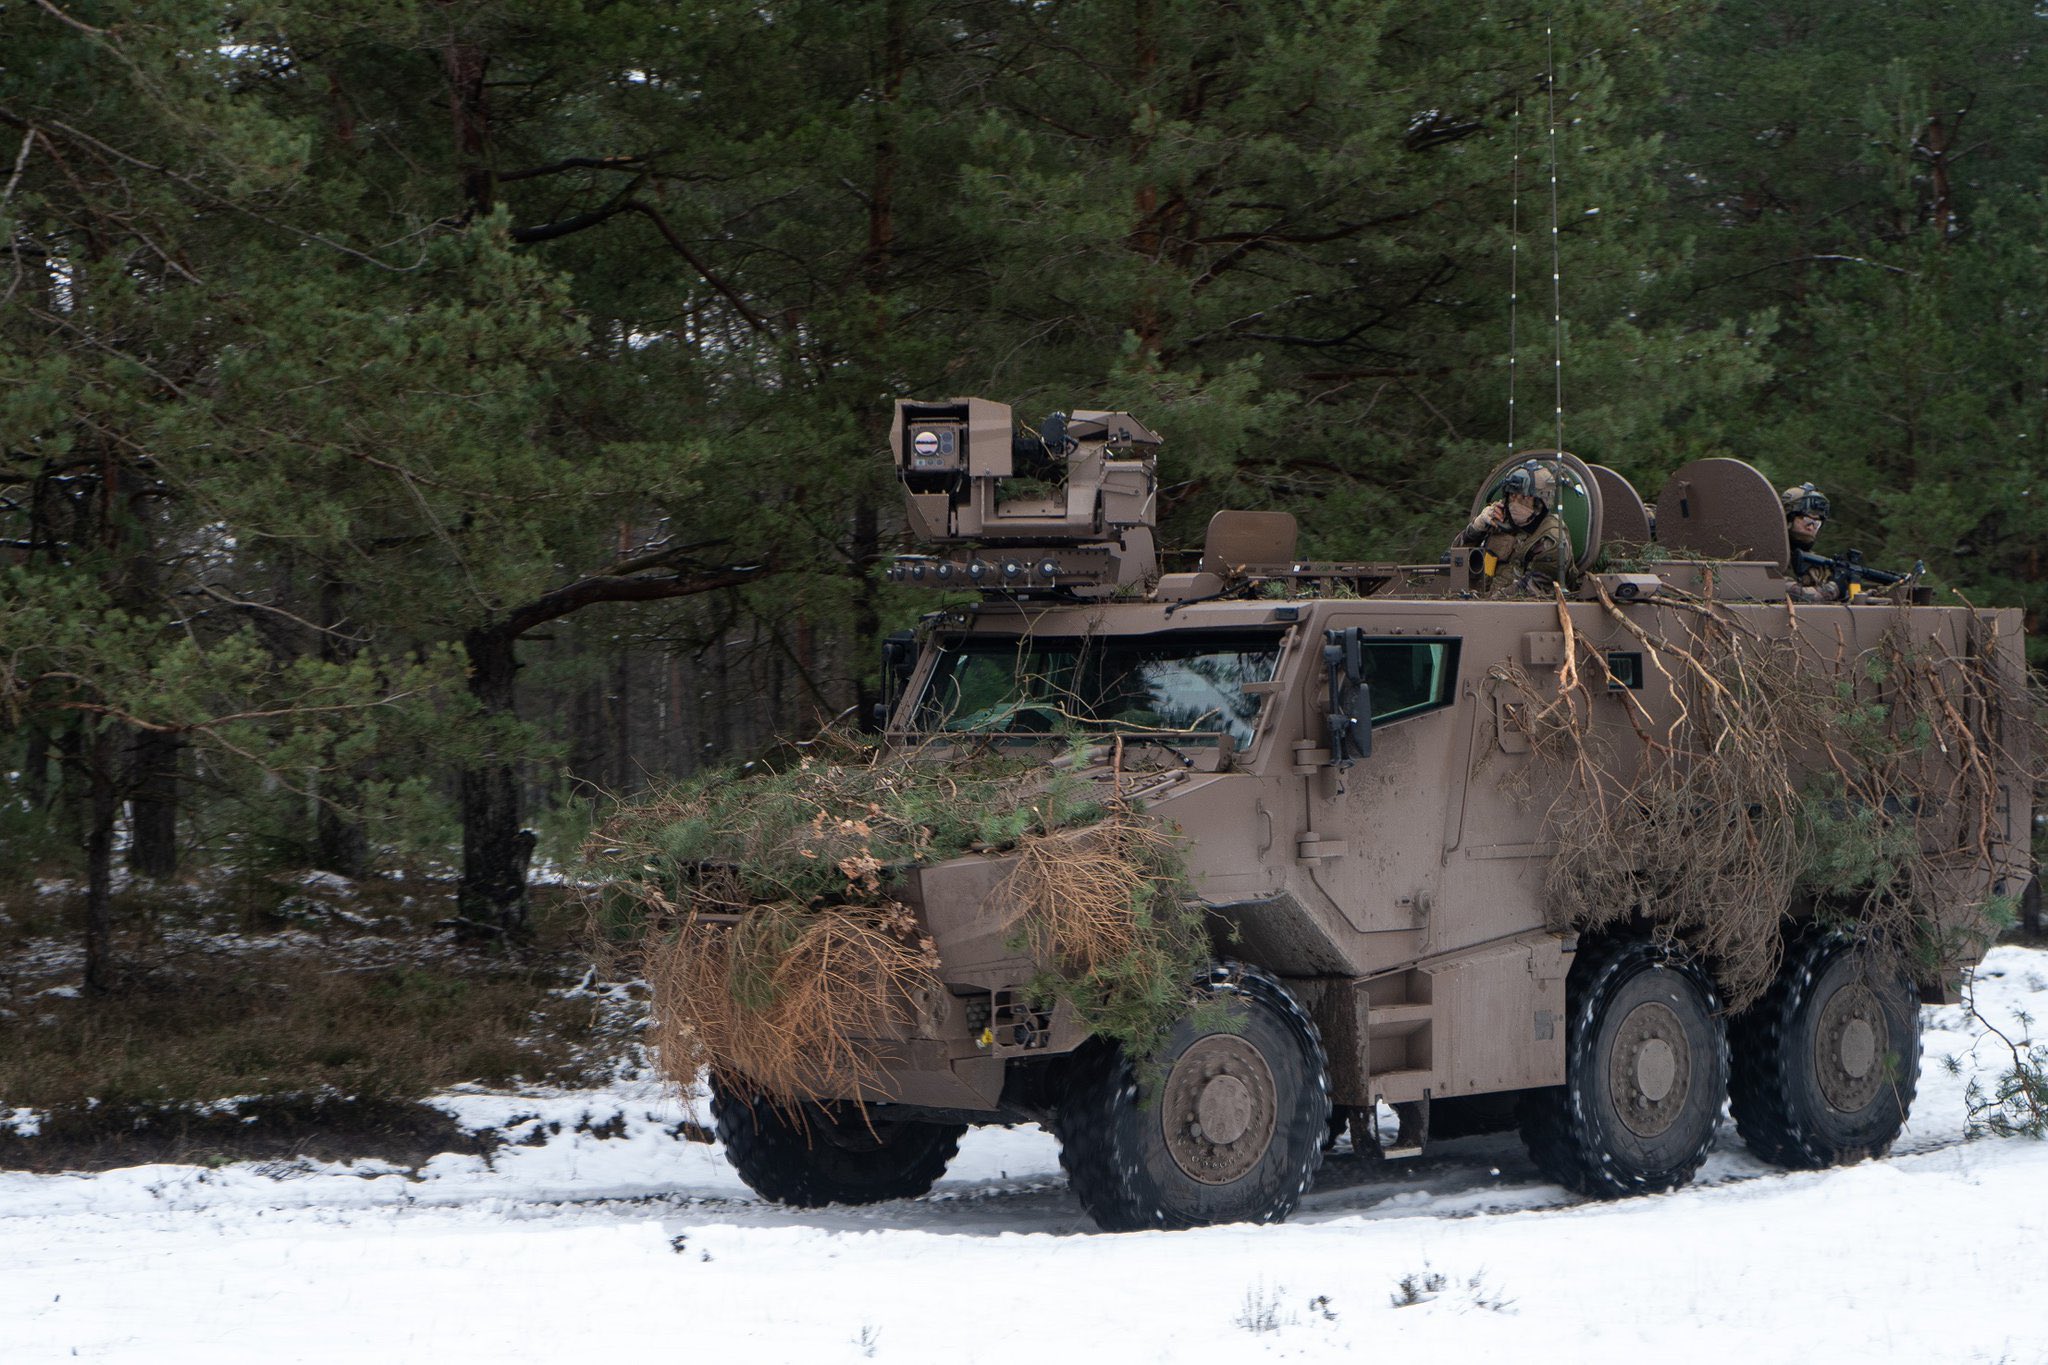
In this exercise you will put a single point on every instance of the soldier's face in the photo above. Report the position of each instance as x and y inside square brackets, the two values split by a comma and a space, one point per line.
[1806, 526]
[1522, 505]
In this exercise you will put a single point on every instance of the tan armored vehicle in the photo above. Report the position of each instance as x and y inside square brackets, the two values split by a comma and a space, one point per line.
[1394, 788]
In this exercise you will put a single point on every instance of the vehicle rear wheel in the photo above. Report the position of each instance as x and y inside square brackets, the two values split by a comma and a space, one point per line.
[1226, 1125]
[1646, 1065]
[1825, 1065]
[810, 1154]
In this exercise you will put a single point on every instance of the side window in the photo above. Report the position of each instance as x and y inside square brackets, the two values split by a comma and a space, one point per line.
[1409, 677]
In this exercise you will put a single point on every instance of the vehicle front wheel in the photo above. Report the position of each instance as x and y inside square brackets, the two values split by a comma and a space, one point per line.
[809, 1154]
[1826, 1063]
[1646, 1065]
[1224, 1124]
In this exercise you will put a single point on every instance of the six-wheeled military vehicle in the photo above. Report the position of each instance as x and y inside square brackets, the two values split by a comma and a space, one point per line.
[1347, 756]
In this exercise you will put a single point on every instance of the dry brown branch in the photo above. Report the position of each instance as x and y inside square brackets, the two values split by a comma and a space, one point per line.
[777, 937]
[790, 1000]
[1781, 782]
[1073, 895]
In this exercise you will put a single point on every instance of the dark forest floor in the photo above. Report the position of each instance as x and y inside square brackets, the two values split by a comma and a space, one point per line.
[283, 1016]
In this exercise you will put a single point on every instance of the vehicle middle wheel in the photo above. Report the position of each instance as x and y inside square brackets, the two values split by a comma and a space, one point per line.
[1646, 1065]
[1222, 1125]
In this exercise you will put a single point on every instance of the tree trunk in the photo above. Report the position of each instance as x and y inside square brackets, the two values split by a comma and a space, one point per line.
[36, 787]
[1146, 236]
[621, 772]
[491, 897]
[586, 736]
[465, 64]
[495, 850]
[716, 719]
[865, 539]
[678, 761]
[1942, 211]
[73, 811]
[341, 838]
[867, 612]
[101, 971]
[153, 804]
[341, 843]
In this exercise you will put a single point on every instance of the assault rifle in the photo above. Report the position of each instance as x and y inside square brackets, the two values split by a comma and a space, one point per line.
[1850, 574]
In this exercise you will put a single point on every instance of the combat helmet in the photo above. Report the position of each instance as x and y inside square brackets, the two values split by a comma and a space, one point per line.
[1804, 501]
[1532, 479]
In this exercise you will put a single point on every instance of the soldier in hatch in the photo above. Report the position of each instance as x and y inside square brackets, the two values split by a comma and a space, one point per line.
[1806, 511]
[1525, 540]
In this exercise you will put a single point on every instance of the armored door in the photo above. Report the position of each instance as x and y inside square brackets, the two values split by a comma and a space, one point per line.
[1372, 840]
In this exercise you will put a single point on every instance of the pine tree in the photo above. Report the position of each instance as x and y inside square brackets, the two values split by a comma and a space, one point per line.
[1871, 173]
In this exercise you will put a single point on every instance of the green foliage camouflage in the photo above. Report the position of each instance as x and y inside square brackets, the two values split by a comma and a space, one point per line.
[740, 874]
[824, 828]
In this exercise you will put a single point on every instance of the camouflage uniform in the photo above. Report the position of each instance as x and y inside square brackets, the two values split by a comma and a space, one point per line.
[1528, 558]
[1816, 584]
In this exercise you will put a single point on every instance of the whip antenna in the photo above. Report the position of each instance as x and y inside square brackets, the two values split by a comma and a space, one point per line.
[1556, 270]
[1514, 255]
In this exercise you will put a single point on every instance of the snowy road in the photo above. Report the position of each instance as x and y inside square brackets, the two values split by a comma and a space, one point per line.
[627, 1241]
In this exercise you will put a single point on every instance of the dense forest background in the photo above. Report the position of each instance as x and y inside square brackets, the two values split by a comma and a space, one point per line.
[419, 417]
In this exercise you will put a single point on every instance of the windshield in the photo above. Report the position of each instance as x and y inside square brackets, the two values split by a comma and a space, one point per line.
[1190, 683]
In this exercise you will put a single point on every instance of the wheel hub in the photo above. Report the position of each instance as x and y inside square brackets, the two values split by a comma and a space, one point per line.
[1218, 1109]
[1225, 1110]
[1656, 1069]
[1849, 1044]
[1650, 1069]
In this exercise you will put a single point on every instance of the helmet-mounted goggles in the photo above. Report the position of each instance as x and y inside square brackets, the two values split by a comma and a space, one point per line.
[1529, 480]
[1805, 501]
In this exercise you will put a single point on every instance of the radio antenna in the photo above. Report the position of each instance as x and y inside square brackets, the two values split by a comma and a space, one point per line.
[1514, 255]
[1556, 268]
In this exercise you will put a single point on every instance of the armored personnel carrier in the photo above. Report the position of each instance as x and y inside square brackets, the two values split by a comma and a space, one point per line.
[1379, 776]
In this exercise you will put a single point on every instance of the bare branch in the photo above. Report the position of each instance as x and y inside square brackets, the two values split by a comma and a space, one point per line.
[623, 202]
[589, 591]
[682, 249]
[78, 24]
[28, 140]
[209, 726]
[572, 163]
[1832, 258]
[222, 595]
[654, 558]
[88, 140]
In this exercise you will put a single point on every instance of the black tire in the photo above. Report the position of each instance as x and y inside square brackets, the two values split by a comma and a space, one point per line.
[808, 1155]
[1646, 1066]
[1825, 1064]
[1137, 1156]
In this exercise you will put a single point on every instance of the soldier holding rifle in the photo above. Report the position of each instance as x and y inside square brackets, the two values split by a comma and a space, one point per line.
[1816, 577]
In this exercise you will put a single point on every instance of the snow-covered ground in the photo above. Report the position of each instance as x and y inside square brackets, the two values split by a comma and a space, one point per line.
[601, 1232]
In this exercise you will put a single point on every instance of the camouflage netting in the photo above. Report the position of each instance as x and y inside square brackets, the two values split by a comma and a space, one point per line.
[776, 947]
[1864, 785]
